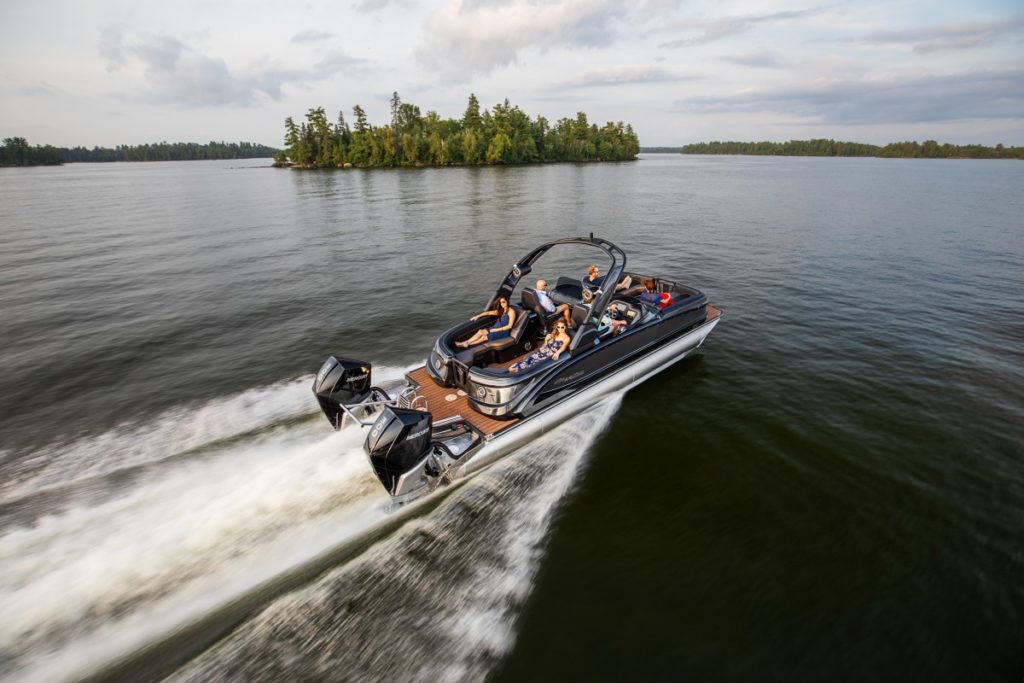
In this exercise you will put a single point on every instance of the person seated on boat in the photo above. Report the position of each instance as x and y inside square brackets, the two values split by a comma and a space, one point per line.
[594, 280]
[634, 290]
[660, 299]
[650, 296]
[610, 321]
[555, 343]
[506, 318]
[544, 299]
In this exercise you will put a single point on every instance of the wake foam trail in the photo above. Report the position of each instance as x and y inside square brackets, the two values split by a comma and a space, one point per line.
[108, 574]
[174, 432]
[435, 601]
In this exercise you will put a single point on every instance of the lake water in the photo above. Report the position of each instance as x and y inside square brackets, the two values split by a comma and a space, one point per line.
[832, 490]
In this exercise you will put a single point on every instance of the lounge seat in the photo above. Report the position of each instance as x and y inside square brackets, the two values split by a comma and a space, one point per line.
[469, 356]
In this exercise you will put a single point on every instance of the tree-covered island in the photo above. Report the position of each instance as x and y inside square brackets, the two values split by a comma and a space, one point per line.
[929, 149]
[502, 135]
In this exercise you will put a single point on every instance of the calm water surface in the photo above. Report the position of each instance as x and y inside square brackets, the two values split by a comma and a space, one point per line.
[833, 490]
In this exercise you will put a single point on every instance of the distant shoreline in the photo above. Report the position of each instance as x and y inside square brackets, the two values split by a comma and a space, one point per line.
[929, 149]
[17, 152]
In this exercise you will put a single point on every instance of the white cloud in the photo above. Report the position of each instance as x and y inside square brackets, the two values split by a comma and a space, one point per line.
[622, 75]
[111, 47]
[709, 31]
[177, 73]
[757, 59]
[953, 36]
[370, 6]
[969, 95]
[462, 38]
[312, 36]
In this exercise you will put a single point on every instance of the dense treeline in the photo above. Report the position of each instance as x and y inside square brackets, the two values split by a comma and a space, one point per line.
[171, 151]
[17, 152]
[929, 149]
[660, 150]
[501, 135]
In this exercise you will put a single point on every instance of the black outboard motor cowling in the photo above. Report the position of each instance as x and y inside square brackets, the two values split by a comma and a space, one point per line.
[398, 441]
[341, 381]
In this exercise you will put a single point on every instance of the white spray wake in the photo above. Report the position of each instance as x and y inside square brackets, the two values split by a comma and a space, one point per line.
[435, 601]
[108, 573]
[175, 431]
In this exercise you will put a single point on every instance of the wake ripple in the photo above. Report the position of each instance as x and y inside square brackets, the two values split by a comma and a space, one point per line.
[437, 600]
[95, 563]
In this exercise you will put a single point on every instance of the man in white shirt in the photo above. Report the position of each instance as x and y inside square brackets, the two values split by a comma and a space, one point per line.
[548, 305]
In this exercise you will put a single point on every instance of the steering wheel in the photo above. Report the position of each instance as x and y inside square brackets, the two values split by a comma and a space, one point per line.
[588, 296]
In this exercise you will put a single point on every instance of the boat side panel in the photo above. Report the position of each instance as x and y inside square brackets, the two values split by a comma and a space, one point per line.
[625, 378]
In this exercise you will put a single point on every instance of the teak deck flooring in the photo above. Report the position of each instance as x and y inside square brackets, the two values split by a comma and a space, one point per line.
[440, 407]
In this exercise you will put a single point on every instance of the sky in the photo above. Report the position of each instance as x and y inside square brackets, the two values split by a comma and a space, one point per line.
[86, 72]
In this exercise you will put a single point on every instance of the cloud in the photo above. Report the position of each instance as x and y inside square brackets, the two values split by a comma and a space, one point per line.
[312, 36]
[956, 36]
[969, 95]
[161, 53]
[464, 38]
[336, 61]
[176, 73]
[111, 47]
[717, 29]
[375, 5]
[38, 90]
[624, 75]
[758, 59]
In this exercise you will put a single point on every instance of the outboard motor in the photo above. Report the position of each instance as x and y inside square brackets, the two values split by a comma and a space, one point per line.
[398, 442]
[341, 381]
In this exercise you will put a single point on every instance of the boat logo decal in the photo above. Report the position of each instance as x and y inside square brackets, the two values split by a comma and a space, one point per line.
[419, 433]
[323, 372]
[568, 378]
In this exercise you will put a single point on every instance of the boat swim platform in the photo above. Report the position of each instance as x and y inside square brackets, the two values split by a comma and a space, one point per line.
[448, 402]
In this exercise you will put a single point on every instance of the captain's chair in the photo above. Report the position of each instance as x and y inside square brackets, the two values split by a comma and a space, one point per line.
[531, 304]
